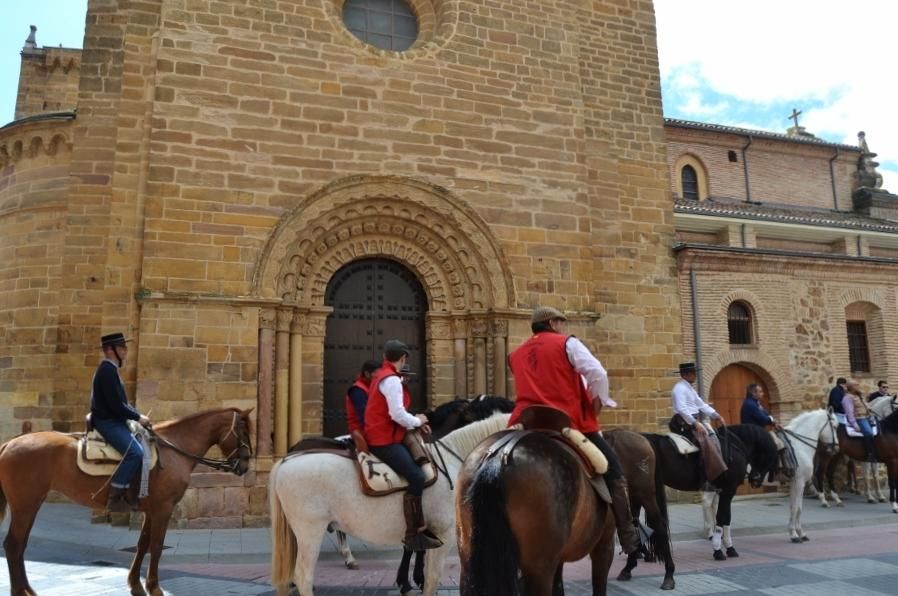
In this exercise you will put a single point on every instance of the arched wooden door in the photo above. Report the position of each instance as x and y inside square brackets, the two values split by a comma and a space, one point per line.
[373, 300]
[728, 391]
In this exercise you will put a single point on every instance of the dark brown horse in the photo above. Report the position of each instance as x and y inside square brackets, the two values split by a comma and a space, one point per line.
[528, 511]
[646, 488]
[34, 464]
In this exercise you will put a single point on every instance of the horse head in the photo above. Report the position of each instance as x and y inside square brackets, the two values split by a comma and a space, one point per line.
[235, 442]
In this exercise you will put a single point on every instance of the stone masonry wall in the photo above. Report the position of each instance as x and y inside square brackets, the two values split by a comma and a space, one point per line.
[48, 81]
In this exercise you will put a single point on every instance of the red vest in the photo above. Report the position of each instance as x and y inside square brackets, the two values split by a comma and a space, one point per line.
[380, 430]
[543, 375]
[352, 417]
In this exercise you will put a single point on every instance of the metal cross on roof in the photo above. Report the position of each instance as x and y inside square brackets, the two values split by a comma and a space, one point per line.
[794, 116]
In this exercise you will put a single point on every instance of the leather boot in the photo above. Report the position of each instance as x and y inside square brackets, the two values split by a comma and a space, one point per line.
[118, 500]
[870, 448]
[623, 519]
[417, 535]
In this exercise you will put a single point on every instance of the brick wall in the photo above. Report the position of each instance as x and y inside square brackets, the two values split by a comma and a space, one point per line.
[48, 81]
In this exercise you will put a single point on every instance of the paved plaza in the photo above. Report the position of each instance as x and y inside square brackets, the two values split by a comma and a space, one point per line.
[853, 550]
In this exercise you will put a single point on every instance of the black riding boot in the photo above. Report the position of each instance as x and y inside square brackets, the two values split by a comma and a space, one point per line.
[870, 449]
[623, 518]
[417, 535]
[118, 501]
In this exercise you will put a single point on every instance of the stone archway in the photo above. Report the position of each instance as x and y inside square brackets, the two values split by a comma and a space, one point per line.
[424, 228]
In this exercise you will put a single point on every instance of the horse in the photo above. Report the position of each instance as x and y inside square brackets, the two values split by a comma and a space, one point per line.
[741, 445]
[309, 492]
[34, 464]
[881, 408]
[527, 512]
[886, 444]
[646, 489]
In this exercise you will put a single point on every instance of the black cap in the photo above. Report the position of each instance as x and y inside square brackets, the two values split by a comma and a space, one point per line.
[687, 367]
[113, 339]
[394, 345]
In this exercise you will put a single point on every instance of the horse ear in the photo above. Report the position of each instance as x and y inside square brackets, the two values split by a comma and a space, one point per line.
[245, 413]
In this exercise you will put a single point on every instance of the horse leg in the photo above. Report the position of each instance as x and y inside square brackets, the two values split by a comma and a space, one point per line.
[143, 544]
[819, 477]
[878, 476]
[158, 528]
[710, 502]
[558, 582]
[21, 520]
[601, 556]
[308, 546]
[405, 588]
[625, 574]
[728, 542]
[345, 552]
[830, 480]
[796, 494]
[418, 573]
[433, 569]
[868, 472]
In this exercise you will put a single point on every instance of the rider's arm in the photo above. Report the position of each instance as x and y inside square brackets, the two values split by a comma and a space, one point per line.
[359, 400]
[113, 393]
[681, 395]
[590, 369]
[391, 388]
[848, 406]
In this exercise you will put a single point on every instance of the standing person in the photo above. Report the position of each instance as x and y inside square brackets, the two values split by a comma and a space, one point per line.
[357, 397]
[109, 413]
[882, 389]
[687, 407]
[550, 369]
[858, 416]
[836, 394]
[386, 421]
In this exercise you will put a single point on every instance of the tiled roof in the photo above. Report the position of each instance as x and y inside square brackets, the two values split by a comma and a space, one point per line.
[755, 133]
[724, 207]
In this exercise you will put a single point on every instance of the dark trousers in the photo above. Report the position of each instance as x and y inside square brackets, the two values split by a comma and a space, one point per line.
[117, 434]
[614, 469]
[397, 457]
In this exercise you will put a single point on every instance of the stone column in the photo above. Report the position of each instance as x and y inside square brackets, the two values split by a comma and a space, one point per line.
[460, 333]
[282, 380]
[265, 389]
[479, 330]
[500, 355]
[313, 370]
[294, 426]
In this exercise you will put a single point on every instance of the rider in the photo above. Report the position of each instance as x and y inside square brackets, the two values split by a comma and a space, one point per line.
[858, 416]
[753, 412]
[882, 389]
[836, 394]
[357, 396]
[386, 421]
[687, 406]
[109, 413]
[550, 369]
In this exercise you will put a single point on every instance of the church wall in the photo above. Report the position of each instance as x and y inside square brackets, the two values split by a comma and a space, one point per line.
[48, 81]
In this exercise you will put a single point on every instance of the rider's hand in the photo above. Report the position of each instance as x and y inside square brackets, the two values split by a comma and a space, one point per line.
[422, 418]
[721, 421]
[144, 421]
[425, 429]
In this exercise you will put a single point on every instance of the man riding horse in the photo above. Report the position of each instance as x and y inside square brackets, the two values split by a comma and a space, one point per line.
[109, 413]
[550, 368]
[687, 407]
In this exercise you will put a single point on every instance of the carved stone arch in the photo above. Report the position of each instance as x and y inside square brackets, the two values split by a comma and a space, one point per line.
[422, 226]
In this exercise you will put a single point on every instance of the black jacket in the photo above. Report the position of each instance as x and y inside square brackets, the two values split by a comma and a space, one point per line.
[108, 400]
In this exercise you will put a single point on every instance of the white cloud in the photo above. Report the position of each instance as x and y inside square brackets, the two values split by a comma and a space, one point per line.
[795, 52]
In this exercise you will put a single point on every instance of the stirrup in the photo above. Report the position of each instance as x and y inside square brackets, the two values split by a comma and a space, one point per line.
[423, 540]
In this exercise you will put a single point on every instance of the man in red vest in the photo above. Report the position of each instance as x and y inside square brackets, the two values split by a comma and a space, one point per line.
[555, 369]
[357, 397]
[386, 420]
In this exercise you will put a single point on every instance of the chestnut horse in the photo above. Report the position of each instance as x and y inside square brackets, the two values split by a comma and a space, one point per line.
[528, 511]
[34, 464]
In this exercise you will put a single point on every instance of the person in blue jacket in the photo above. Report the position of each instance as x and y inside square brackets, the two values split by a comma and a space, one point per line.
[109, 413]
[753, 411]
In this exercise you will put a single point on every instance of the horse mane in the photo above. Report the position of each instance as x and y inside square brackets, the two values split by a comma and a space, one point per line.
[484, 406]
[465, 439]
[437, 416]
[803, 418]
[889, 424]
[194, 417]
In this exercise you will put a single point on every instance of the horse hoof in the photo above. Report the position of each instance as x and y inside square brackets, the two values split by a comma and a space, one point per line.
[796, 540]
[871, 500]
[668, 584]
[731, 552]
[805, 539]
[352, 565]
[719, 556]
[406, 590]
[624, 576]
[826, 505]
[840, 504]
[882, 499]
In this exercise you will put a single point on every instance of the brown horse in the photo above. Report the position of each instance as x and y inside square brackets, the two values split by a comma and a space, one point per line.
[646, 488]
[530, 509]
[32, 465]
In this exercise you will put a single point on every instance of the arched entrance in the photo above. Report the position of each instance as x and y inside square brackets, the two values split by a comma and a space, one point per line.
[728, 391]
[373, 300]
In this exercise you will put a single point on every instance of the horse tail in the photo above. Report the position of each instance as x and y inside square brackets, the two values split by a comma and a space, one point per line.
[660, 543]
[494, 559]
[283, 540]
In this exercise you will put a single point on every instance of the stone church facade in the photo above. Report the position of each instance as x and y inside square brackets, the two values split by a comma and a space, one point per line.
[260, 198]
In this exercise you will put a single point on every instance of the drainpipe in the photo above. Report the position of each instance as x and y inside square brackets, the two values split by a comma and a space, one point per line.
[832, 178]
[745, 168]
[742, 231]
[695, 330]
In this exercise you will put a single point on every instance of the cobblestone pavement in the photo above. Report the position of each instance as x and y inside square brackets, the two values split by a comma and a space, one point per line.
[75, 560]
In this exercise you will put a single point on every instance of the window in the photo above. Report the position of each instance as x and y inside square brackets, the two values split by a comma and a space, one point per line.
[739, 320]
[385, 24]
[731, 155]
[858, 352]
[690, 182]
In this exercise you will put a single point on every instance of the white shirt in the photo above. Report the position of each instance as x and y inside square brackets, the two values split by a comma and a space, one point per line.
[688, 404]
[595, 378]
[391, 389]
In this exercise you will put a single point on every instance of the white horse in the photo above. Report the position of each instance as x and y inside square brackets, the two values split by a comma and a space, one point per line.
[309, 492]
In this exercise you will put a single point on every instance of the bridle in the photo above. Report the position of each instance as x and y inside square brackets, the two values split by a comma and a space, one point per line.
[231, 462]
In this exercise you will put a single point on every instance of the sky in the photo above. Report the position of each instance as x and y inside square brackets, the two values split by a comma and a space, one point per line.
[736, 63]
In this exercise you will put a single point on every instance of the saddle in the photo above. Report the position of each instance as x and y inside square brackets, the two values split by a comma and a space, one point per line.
[849, 430]
[376, 478]
[555, 424]
[683, 445]
[96, 457]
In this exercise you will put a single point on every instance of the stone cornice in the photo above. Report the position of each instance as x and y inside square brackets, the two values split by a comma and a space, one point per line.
[30, 137]
[707, 257]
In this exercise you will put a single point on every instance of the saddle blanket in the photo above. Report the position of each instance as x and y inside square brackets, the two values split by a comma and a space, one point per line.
[849, 430]
[684, 446]
[96, 457]
[379, 479]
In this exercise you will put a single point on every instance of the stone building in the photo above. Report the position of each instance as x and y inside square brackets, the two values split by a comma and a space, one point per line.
[260, 198]
[787, 263]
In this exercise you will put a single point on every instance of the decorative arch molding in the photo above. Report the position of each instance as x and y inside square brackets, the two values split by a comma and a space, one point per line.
[701, 172]
[778, 381]
[31, 144]
[422, 226]
[875, 296]
[749, 298]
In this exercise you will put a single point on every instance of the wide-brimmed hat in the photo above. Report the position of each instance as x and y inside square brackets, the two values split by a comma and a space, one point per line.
[113, 339]
[394, 345]
[687, 367]
[541, 314]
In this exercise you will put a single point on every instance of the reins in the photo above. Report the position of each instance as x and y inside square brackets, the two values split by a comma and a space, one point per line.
[228, 464]
[441, 466]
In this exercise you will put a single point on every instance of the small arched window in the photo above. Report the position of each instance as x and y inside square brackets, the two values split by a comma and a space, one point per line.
[739, 323]
[689, 178]
[385, 24]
